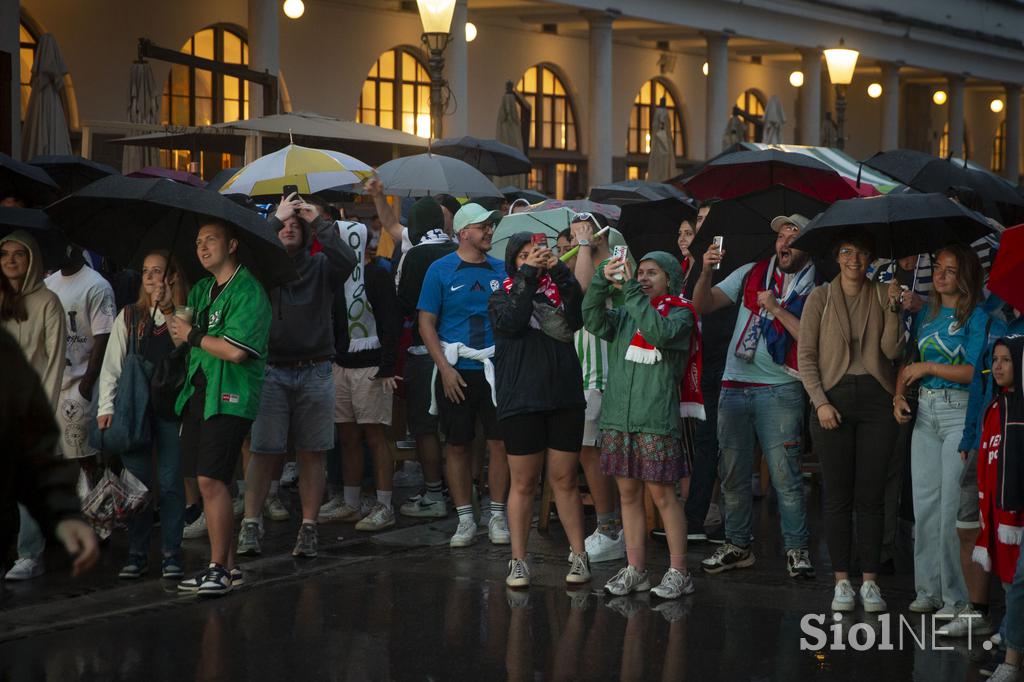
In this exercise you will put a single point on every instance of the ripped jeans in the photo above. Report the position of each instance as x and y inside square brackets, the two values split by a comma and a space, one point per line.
[774, 417]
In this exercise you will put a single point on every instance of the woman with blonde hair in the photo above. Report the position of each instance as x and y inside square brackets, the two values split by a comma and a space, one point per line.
[142, 326]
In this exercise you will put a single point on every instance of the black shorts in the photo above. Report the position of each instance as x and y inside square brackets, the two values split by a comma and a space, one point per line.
[533, 432]
[458, 422]
[210, 447]
[419, 369]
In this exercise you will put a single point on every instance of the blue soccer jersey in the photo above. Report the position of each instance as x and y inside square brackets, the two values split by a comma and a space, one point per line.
[457, 292]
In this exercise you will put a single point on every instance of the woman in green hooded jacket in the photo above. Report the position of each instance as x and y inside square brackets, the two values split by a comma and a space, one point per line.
[649, 340]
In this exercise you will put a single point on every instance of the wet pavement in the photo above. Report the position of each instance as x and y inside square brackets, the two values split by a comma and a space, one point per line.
[403, 606]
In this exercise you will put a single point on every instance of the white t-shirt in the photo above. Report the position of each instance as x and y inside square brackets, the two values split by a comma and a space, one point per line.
[88, 302]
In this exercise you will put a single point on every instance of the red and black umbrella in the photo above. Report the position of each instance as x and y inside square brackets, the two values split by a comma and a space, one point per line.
[1006, 280]
[740, 173]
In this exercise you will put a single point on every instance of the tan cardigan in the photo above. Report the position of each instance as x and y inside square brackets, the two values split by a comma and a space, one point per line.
[824, 350]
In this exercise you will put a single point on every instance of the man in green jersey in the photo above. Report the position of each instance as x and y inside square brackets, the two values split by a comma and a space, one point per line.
[228, 336]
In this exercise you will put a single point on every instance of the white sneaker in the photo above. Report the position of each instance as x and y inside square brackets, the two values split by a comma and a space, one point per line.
[329, 508]
[497, 530]
[871, 598]
[674, 584]
[381, 517]
[628, 580]
[276, 511]
[968, 621]
[290, 474]
[196, 529]
[238, 506]
[26, 569]
[465, 534]
[602, 547]
[342, 512]
[843, 599]
[421, 507]
[948, 612]
[518, 574]
[923, 604]
[1006, 673]
[579, 569]
[714, 516]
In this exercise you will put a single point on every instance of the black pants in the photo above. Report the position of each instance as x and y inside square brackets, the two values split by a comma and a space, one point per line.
[705, 455]
[854, 466]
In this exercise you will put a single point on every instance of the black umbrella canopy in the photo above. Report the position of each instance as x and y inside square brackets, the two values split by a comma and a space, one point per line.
[533, 196]
[490, 157]
[635, 191]
[30, 184]
[992, 188]
[125, 218]
[654, 225]
[901, 224]
[221, 177]
[71, 172]
[51, 240]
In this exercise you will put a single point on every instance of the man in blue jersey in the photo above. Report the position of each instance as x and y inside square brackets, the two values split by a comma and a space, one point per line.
[456, 330]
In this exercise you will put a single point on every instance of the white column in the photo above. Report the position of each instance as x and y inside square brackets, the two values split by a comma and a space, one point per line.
[601, 89]
[956, 115]
[1011, 169]
[457, 74]
[10, 21]
[717, 100]
[810, 98]
[890, 107]
[264, 46]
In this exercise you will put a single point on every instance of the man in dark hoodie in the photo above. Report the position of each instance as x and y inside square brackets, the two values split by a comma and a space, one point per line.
[298, 391]
[431, 242]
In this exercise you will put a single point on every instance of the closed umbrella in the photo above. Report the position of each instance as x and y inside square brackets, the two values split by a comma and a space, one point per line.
[774, 119]
[71, 172]
[510, 130]
[661, 163]
[46, 127]
[429, 174]
[1007, 277]
[901, 224]
[29, 183]
[143, 107]
[490, 157]
[311, 170]
[124, 218]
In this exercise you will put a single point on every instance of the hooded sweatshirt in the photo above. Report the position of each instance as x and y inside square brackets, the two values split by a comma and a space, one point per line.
[533, 370]
[42, 336]
[429, 244]
[302, 327]
[1010, 493]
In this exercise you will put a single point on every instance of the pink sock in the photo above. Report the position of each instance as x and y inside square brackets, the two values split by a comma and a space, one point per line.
[637, 557]
[678, 562]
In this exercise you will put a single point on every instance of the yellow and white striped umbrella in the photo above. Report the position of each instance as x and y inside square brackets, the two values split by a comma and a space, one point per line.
[311, 170]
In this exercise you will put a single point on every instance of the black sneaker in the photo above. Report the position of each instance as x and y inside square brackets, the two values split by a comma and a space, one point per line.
[798, 564]
[715, 535]
[728, 557]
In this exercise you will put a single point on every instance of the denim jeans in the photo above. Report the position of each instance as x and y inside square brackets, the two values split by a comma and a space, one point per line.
[772, 416]
[705, 457]
[31, 542]
[936, 468]
[172, 490]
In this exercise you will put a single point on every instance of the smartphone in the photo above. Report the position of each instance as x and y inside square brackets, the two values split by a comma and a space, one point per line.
[619, 254]
[539, 239]
[289, 190]
[718, 241]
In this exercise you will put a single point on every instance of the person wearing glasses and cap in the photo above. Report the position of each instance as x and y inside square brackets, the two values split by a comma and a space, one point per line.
[456, 329]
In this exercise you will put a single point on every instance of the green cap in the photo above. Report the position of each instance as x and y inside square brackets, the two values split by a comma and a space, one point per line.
[473, 214]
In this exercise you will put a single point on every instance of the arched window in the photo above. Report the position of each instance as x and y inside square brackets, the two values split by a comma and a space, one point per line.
[944, 143]
[752, 103]
[197, 97]
[646, 101]
[28, 40]
[999, 149]
[396, 93]
[554, 116]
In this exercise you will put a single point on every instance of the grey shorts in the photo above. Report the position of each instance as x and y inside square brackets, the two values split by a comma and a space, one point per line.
[419, 370]
[296, 409]
[967, 515]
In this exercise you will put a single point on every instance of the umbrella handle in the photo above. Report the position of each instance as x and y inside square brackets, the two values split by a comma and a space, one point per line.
[567, 256]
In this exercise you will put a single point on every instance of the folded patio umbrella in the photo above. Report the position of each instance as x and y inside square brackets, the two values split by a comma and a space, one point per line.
[1006, 280]
[46, 127]
[311, 170]
[29, 183]
[431, 174]
[123, 218]
[490, 157]
[738, 173]
[72, 172]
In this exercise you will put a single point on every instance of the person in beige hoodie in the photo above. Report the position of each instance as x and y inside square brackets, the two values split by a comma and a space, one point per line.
[33, 315]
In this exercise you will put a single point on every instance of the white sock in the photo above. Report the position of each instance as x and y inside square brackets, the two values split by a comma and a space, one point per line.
[351, 493]
[274, 486]
[241, 487]
[384, 497]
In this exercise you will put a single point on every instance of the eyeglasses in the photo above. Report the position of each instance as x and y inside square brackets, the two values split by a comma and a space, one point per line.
[483, 227]
[850, 252]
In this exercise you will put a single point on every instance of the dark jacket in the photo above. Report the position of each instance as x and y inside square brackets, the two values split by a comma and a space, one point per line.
[30, 471]
[534, 372]
[380, 292]
[410, 282]
[301, 327]
[1011, 445]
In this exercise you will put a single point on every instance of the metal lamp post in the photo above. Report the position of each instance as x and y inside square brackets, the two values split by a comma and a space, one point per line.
[841, 62]
[436, 16]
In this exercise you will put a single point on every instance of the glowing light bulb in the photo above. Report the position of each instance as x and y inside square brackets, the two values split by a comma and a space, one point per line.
[470, 31]
[796, 79]
[996, 105]
[875, 90]
[939, 97]
[293, 9]
[704, 68]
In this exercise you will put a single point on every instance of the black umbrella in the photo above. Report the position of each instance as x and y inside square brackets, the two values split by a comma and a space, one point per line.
[533, 196]
[35, 221]
[901, 224]
[635, 191]
[992, 188]
[221, 177]
[490, 157]
[745, 224]
[28, 183]
[654, 225]
[124, 218]
[71, 172]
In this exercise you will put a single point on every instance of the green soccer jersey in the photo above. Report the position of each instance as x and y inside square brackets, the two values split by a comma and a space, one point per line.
[241, 316]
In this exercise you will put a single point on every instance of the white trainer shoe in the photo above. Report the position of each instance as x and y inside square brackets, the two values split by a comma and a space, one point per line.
[465, 534]
[497, 530]
[290, 474]
[380, 517]
[518, 574]
[25, 569]
[844, 598]
[421, 507]
[871, 598]
[674, 584]
[196, 529]
[602, 546]
[275, 510]
[628, 580]
[579, 569]
[330, 507]
[967, 622]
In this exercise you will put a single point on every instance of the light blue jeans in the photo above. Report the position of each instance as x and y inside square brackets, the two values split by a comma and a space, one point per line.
[935, 470]
[774, 417]
[31, 542]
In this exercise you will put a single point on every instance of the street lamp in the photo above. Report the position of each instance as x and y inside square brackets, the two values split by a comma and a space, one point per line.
[436, 16]
[841, 62]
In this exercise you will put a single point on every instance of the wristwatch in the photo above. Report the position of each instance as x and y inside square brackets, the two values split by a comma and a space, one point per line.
[583, 242]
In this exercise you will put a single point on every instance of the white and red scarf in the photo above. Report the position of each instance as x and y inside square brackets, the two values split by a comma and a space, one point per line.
[691, 398]
[545, 286]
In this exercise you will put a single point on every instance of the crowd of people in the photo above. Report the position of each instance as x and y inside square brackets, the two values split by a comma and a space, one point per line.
[656, 375]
